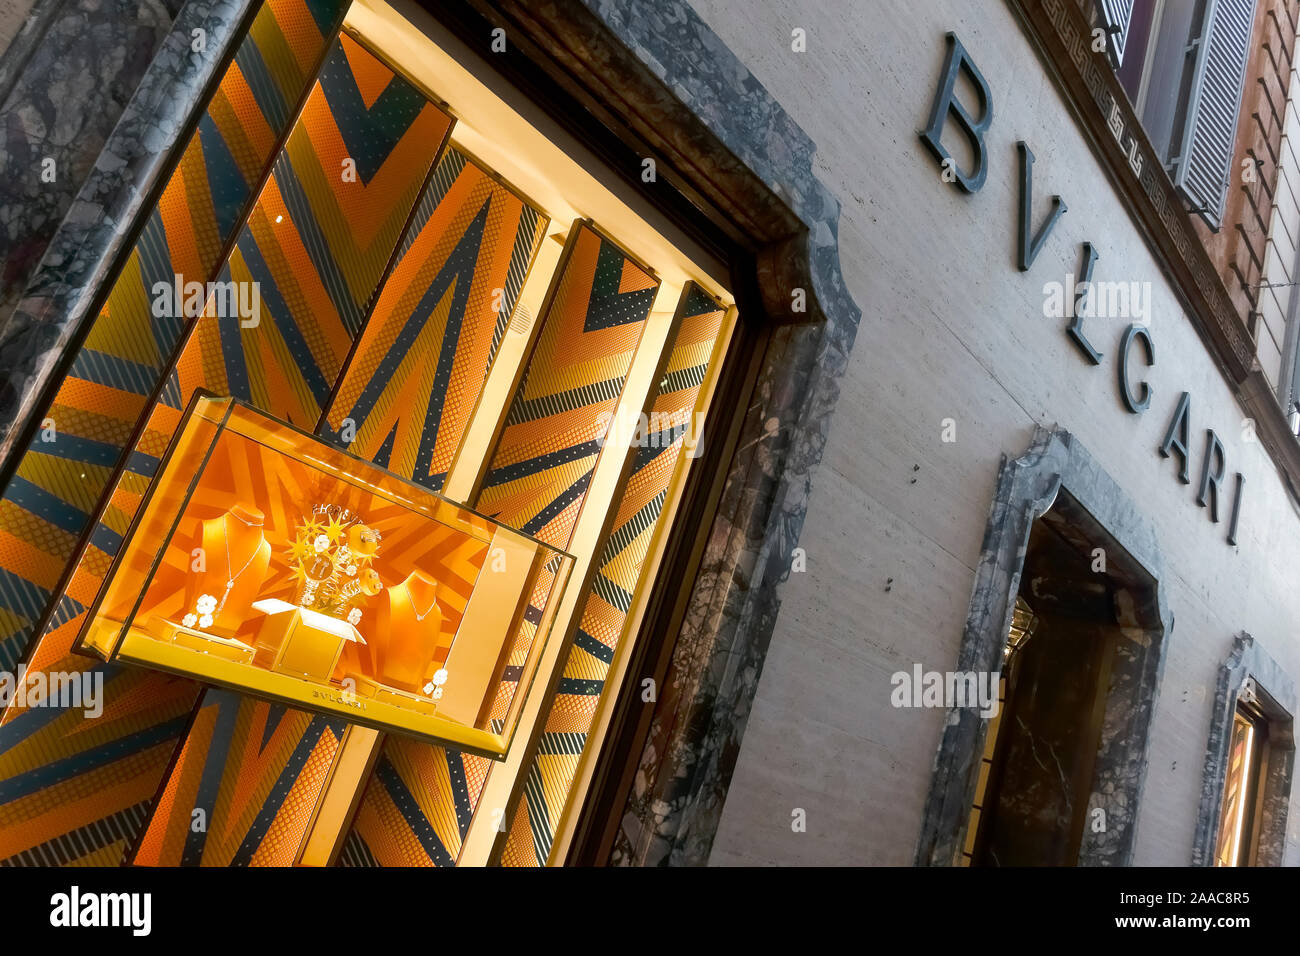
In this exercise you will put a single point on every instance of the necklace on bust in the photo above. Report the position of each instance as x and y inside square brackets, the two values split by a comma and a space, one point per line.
[410, 597]
[208, 608]
[230, 565]
[250, 520]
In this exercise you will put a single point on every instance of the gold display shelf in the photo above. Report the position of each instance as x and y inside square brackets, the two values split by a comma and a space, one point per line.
[257, 543]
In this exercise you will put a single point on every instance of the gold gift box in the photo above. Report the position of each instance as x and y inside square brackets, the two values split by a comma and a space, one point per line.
[302, 642]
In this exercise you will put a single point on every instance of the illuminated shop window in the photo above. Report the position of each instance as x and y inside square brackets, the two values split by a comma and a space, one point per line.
[1250, 762]
[1022, 627]
[433, 335]
[1235, 845]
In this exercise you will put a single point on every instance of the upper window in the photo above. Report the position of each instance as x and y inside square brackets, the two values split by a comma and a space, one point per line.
[1183, 65]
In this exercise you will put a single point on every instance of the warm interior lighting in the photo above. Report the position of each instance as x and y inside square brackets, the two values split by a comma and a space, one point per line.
[287, 602]
[1238, 791]
[1022, 627]
[1023, 622]
[525, 149]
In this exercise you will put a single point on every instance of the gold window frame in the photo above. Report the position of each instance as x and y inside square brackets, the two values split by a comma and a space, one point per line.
[1238, 830]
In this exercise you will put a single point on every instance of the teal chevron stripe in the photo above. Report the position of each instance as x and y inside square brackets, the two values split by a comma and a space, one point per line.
[47, 776]
[407, 806]
[456, 274]
[319, 727]
[226, 183]
[75, 844]
[229, 195]
[214, 763]
[608, 307]
[369, 133]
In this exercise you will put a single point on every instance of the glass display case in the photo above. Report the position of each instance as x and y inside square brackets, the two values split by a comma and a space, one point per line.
[266, 560]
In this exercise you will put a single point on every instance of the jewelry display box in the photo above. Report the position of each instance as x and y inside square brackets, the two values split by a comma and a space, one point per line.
[266, 560]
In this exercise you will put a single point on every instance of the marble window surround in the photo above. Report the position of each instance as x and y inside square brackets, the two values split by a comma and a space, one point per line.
[56, 307]
[64, 82]
[15, 16]
[1028, 488]
[1249, 659]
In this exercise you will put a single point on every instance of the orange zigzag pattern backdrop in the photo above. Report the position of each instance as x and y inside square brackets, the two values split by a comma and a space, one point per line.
[315, 276]
[537, 481]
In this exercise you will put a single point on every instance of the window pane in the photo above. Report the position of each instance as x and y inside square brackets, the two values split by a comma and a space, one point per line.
[1232, 827]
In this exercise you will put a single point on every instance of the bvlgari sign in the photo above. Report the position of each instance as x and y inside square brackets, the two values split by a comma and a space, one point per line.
[1074, 302]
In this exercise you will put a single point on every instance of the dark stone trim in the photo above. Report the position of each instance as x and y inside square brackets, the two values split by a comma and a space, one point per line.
[1027, 489]
[29, 36]
[1248, 659]
[64, 83]
[654, 71]
[58, 304]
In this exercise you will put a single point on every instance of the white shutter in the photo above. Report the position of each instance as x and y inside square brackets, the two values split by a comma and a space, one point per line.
[1202, 166]
[1292, 399]
[1116, 15]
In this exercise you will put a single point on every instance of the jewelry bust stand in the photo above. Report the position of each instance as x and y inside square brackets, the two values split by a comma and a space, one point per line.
[236, 558]
[408, 628]
[406, 631]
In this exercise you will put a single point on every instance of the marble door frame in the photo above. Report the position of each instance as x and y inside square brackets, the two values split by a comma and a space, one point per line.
[1028, 488]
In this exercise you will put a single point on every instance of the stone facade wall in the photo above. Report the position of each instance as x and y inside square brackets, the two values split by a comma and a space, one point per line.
[12, 15]
[951, 330]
